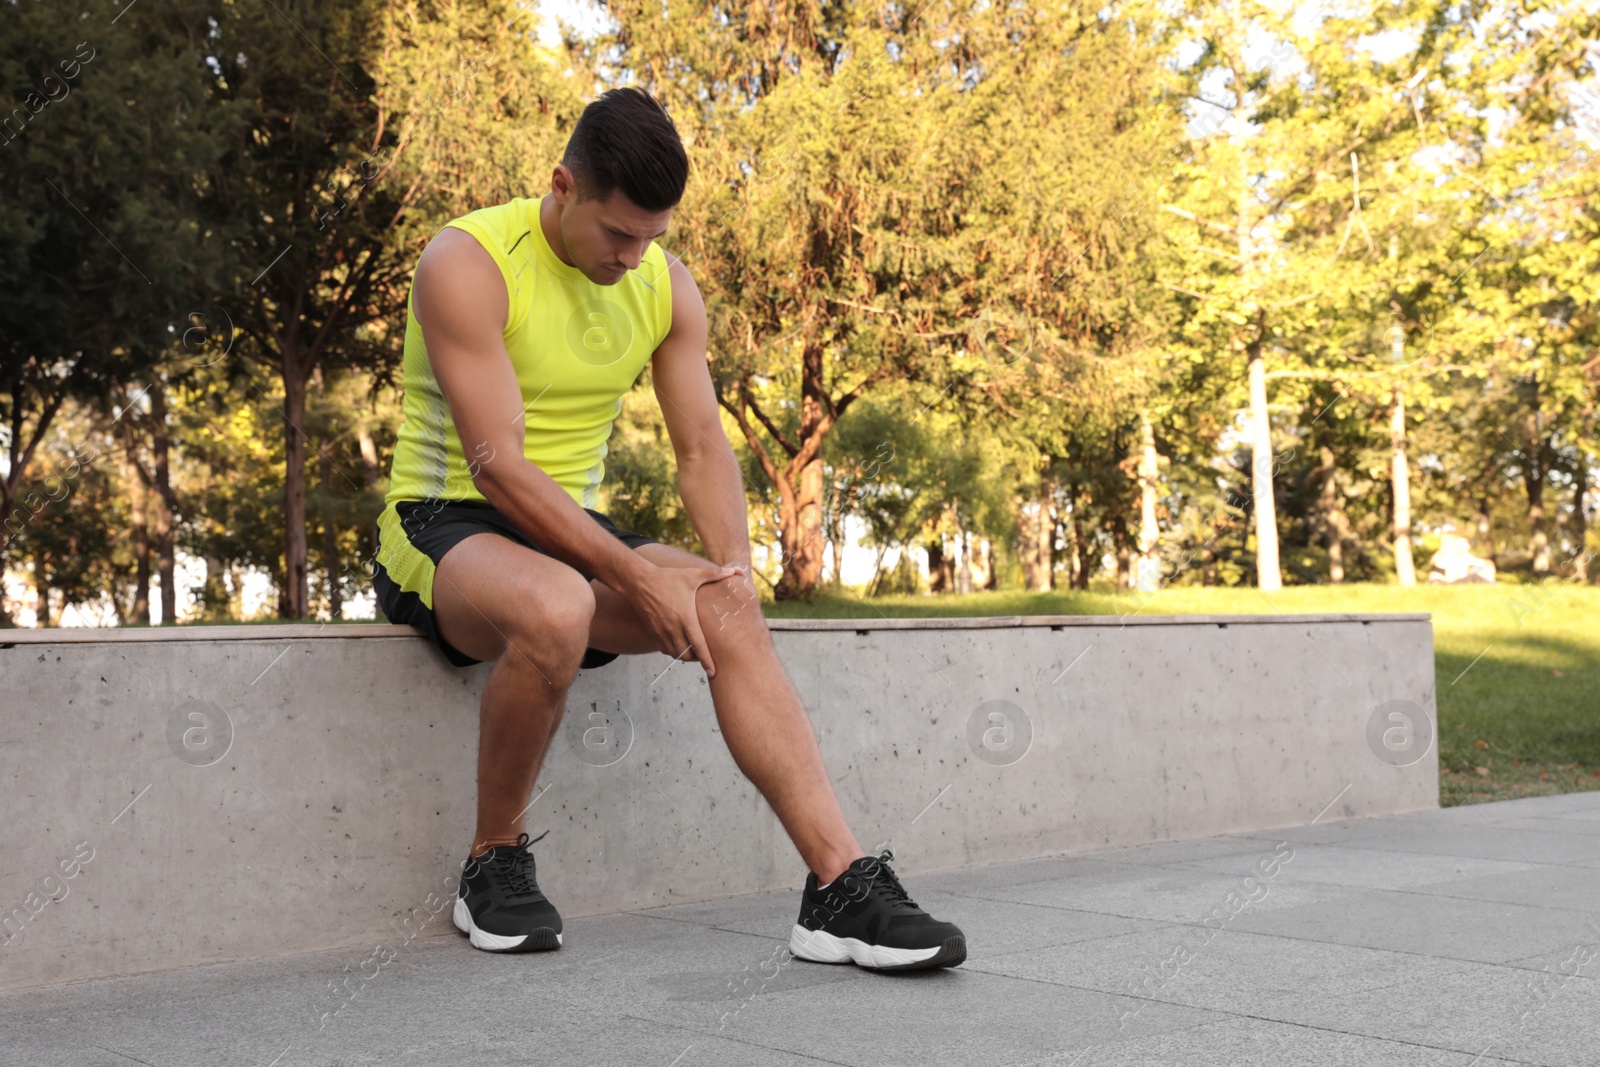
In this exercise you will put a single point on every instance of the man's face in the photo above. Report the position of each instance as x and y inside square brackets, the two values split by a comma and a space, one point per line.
[606, 238]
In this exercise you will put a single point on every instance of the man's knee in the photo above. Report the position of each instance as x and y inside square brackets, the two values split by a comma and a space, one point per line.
[730, 606]
[552, 619]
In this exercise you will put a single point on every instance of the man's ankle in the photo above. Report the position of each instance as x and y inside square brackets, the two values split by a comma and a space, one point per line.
[481, 847]
[832, 872]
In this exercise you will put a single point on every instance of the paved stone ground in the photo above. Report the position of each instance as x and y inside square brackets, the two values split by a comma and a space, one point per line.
[1447, 937]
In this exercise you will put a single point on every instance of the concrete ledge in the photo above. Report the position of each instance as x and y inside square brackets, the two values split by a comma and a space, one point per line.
[249, 791]
[298, 631]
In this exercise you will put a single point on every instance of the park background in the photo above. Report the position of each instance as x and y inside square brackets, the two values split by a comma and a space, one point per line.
[1015, 308]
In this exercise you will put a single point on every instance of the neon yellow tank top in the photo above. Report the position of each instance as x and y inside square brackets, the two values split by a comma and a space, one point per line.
[576, 347]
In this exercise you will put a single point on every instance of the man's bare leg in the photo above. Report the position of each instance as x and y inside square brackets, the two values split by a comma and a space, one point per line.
[496, 600]
[762, 718]
[853, 908]
[535, 616]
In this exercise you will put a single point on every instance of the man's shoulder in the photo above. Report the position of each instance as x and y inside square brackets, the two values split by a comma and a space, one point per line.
[501, 226]
[455, 251]
[460, 275]
[686, 302]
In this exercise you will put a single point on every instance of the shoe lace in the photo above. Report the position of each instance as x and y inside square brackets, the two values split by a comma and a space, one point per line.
[888, 887]
[514, 865]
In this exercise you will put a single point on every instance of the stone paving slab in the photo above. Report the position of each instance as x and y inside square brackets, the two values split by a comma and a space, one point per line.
[1229, 971]
[1476, 1010]
[1458, 938]
[1367, 868]
[1260, 1041]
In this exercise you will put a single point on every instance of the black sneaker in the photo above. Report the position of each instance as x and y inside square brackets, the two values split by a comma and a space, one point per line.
[864, 916]
[500, 907]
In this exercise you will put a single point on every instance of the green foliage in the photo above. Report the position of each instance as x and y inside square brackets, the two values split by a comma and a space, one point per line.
[107, 135]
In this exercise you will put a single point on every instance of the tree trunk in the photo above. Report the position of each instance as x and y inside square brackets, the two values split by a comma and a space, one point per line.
[1538, 540]
[836, 515]
[936, 564]
[799, 482]
[1483, 530]
[1148, 577]
[877, 570]
[1580, 518]
[1056, 532]
[1269, 577]
[330, 538]
[20, 448]
[1028, 541]
[800, 516]
[832, 550]
[214, 593]
[1246, 206]
[369, 479]
[1045, 533]
[43, 616]
[139, 530]
[1036, 524]
[293, 603]
[6, 621]
[1069, 530]
[1080, 543]
[161, 474]
[1400, 478]
[1335, 525]
[991, 569]
[1119, 542]
[803, 534]
[964, 572]
[1534, 475]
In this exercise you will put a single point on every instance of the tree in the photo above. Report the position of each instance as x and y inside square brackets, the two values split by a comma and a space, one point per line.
[867, 212]
[1531, 290]
[100, 242]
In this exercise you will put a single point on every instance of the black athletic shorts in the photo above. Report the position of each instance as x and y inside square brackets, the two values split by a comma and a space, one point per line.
[414, 535]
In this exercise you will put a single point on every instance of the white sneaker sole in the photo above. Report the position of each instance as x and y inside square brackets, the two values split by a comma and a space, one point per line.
[537, 941]
[819, 946]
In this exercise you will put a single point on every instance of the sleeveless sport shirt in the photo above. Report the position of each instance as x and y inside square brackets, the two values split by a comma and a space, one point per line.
[576, 346]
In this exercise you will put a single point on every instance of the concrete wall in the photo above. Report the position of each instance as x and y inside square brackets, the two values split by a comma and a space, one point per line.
[248, 791]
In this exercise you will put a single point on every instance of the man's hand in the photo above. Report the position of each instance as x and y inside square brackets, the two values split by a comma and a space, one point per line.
[667, 599]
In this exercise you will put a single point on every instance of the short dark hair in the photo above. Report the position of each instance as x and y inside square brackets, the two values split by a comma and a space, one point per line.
[625, 140]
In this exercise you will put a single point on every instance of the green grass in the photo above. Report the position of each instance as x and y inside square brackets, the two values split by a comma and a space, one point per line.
[1518, 666]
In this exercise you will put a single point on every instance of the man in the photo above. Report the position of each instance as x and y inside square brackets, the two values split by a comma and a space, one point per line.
[527, 323]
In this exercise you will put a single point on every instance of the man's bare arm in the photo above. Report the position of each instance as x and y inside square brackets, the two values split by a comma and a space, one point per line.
[709, 477]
